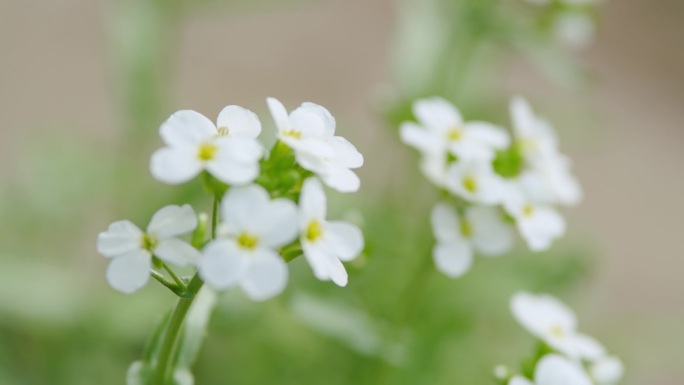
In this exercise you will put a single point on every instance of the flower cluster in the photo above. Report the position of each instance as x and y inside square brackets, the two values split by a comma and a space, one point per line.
[493, 182]
[566, 356]
[271, 205]
[572, 22]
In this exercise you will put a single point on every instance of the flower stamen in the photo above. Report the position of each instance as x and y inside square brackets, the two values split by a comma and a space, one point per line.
[207, 152]
[247, 241]
[314, 231]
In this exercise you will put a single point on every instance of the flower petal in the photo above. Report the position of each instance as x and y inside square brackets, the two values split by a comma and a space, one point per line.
[278, 223]
[488, 134]
[607, 370]
[419, 138]
[175, 165]
[517, 380]
[554, 369]
[446, 225]
[540, 314]
[491, 234]
[232, 172]
[265, 276]
[240, 149]
[130, 272]
[325, 115]
[186, 128]
[243, 208]
[324, 265]
[222, 265]
[345, 153]
[437, 114]
[312, 121]
[178, 252]
[588, 348]
[239, 122]
[453, 258]
[312, 201]
[343, 239]
[341, 179]
[121, 237]
[172, 220]
[279, 113]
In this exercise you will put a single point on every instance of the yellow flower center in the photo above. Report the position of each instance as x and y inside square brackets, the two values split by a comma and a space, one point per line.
[470, 184]
[148, 242]
[314, 231]
[558, 331]
[454, 134]
[528, 210]
[223, 131]
[293, 134]
[247, 241]
[207, 151]
[466, 229]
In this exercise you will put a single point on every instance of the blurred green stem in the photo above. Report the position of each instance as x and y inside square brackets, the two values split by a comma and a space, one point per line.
[164, 368]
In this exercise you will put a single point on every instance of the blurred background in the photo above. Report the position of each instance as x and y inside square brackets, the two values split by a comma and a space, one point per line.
[84, 86]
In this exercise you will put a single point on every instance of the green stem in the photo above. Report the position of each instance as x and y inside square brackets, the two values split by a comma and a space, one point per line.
[173, 275]
[164, 367]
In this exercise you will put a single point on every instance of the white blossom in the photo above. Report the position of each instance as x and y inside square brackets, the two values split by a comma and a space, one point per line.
[554, 369]
[607, 370]
[482, 230]
[441, 129]
[475, 181]
[245, 253]
[553, 322]
[539, 225]
[131, 249]
[310, 131]
[326, 244]
[228, 150]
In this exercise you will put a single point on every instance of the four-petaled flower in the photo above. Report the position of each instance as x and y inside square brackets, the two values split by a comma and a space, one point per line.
[132, 249]
[482, 229]
[325, 244]
[310, 132]
[228, 150]
[253, 228]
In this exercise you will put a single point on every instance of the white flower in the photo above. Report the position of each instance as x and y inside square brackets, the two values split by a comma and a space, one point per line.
[253, 228]
[534, 136]
[607, 370]
[553, 369]
[475, 181]
[482, 230]
[230, 152]
[442, 129]
[325, 244]
[132, 249]
[310, 132]
[574, 29]
[554, 323]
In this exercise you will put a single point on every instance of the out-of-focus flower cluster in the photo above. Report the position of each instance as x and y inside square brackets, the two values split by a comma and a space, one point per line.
[564, 356]
[571, 22]
[270, 205]
[494, 182]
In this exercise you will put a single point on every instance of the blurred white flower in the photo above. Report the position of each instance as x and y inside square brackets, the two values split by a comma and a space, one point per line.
[607, 370]
[325, 244]
[230, 152]
[539, 225]
[554, 369]
[483, 230]
[132, 249]
[310, 132]
[475, 181]
[441, 128]
[574, 29]
[245, 253]
[553, 322]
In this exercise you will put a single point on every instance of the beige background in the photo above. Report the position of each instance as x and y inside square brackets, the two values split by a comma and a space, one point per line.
[54, 76]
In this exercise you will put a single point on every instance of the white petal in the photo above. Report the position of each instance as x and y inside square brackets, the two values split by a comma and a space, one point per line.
[588, 348]
[341, 179]
[121, 237]
[172, 220]
[557, 370]
[239, 149]
[419, 138]
[265, 276]
[517, 380]
[437, 114]
[607, 371]
[491, 234]
[239, 122]
[522, 116]
[540, 314]
[222, 265]
[489, 134]
[243, 207]
[130, 272]
[312, 201]
[312, 120]
[434, 167]
[326, 116]
[345, 153]
[316, 147]
[279, 114]
[446, 225]
[232, 172]
[343, 239]
[453, 258]
[324, 265]
[175, 165]
[541, 228]
[178, 252]
[186, 128]
[278, 224]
